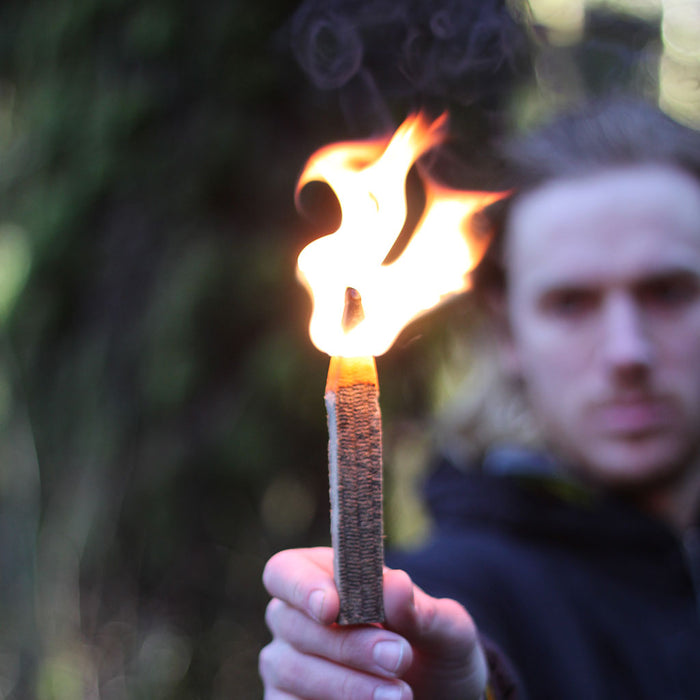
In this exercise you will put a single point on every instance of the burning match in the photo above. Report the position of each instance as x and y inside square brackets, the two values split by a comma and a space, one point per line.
[355, 471]
[360, 305]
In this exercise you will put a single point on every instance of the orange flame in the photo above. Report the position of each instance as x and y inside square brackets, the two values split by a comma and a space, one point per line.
[369, 178]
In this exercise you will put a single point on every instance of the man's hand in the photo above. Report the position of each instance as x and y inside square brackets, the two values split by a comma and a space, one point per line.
[426, 650]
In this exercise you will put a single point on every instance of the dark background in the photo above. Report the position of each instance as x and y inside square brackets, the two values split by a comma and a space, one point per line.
[162, 429]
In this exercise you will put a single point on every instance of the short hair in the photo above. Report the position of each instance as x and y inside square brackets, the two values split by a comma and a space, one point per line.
[609, 133]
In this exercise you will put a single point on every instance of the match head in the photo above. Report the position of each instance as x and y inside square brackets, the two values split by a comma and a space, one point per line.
[353, 313]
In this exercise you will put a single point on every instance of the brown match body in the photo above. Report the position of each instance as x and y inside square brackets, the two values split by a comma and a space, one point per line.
[355, 470]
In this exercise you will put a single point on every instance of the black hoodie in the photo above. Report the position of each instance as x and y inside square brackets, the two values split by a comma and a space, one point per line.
[584, 596]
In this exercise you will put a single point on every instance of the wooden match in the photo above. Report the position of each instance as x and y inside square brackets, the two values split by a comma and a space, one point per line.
[355, 472]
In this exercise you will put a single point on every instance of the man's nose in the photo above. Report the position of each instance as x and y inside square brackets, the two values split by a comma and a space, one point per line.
[626, 342]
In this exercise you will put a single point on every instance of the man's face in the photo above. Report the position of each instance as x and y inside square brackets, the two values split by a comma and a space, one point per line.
[604, 311]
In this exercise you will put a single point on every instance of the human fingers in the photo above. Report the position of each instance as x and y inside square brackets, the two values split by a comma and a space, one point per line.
[444, 637]
[370, 649]
[284, 669]
[440, 624]
[303, 578]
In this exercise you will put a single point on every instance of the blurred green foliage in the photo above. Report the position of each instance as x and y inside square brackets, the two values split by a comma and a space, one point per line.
[155, 374]
[161, 416]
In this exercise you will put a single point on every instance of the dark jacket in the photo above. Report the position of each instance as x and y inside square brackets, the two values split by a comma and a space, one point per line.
[586, 597]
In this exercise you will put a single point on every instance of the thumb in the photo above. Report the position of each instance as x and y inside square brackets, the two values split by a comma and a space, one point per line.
[442, 633]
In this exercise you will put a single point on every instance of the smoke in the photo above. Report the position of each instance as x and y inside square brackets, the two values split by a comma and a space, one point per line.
[438, 52]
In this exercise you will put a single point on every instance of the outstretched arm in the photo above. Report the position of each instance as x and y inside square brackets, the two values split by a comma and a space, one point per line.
[427, 649]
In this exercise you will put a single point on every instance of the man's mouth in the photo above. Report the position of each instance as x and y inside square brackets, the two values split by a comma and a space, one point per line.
[632, 417]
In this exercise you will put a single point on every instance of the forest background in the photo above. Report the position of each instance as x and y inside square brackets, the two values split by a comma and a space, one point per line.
[162, 429]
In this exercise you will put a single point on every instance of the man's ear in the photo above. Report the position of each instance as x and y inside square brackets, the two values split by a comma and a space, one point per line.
[508, 355]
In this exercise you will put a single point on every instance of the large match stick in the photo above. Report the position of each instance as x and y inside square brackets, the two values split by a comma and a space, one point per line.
[355, 471]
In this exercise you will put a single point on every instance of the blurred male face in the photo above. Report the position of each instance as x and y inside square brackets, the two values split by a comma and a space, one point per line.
[604, 310]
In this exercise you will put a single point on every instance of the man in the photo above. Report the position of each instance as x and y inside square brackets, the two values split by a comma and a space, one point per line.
[571, 562]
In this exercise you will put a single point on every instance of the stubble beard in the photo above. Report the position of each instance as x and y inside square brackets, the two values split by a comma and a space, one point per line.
[662, 487]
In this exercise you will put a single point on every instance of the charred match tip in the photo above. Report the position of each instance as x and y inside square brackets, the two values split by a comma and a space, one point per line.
[353, 313]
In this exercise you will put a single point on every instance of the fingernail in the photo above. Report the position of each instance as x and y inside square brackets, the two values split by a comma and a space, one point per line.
[388, 692]
[316, 601]
[388, 655]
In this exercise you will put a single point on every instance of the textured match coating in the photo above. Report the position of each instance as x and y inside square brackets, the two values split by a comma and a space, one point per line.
[355, 471]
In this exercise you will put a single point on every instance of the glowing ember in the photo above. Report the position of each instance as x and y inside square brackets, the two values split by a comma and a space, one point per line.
[369, 180]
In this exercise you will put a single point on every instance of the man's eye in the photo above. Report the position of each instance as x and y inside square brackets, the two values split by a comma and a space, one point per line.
[670, 292]
[569, 303]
